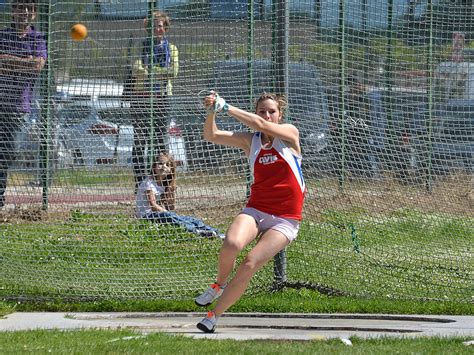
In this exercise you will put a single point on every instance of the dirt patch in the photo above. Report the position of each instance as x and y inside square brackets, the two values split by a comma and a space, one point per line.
[450, 195]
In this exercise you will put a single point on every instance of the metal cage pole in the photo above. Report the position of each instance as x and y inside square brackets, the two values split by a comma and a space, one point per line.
[388, 71]
[250, 67]
[281, 32]
[151, 80]
[429, 176]
[46, 83]
[341, 38]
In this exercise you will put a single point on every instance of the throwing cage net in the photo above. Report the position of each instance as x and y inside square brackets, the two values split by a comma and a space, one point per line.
[380, 90]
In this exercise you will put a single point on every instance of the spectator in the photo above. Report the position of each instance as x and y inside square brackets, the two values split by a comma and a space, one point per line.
[350, 131]
[23, 55]
[152, 88]
[357, 114]
[156, 199]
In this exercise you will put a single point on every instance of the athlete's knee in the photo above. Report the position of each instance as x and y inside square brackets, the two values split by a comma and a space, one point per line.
[233, 244]
[251, 264]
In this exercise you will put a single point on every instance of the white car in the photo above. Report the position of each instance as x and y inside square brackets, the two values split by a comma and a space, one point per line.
[90, 138]
[89, 133]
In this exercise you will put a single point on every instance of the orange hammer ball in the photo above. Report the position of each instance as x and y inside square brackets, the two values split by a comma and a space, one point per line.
[78, 32]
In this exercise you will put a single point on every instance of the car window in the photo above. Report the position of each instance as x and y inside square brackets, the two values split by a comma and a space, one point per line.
[454, 122]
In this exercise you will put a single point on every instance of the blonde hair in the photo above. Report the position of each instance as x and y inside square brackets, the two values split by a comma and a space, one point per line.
[158, 15]
[280, 100]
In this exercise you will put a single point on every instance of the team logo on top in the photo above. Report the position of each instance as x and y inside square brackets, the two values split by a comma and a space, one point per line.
[267, 159]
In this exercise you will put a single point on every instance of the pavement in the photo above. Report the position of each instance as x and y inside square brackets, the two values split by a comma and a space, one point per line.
[248, 326]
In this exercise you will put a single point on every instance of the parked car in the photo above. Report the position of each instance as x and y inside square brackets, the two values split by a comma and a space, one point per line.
[394, 131]
[97, 134]
[450, 146]
[27, 142]
[404, 142]
[91, 133]
[203, 155]
[380, 136]
[91, 140]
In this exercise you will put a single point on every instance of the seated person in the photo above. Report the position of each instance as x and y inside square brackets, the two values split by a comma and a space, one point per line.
[156, 199]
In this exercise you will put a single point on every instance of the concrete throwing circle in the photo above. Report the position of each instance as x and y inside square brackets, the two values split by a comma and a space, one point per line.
[247, 326]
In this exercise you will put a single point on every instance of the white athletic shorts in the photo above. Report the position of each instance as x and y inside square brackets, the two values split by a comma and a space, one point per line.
[289, 227]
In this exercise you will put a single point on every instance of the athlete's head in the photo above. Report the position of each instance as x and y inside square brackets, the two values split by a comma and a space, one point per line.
[271, 107]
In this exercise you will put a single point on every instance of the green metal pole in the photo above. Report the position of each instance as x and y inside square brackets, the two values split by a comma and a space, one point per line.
[274, 40]
[391, 134]
[250, 49]
[281, 47]
[280, 64]
[46, 84]
[429, 177]
[250, 61]
[151, 84]
[342, 87]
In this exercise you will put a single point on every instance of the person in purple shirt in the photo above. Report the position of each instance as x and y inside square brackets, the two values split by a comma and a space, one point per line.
[23, 55]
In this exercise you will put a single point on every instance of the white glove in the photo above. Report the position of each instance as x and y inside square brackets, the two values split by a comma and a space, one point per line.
[220, 104]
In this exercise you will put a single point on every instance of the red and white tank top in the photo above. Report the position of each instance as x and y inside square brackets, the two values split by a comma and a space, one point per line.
[278, 186]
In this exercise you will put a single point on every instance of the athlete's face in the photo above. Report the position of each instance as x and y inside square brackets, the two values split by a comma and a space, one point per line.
[269, 110]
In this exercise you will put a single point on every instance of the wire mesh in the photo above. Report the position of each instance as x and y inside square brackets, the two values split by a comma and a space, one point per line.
[382, 92]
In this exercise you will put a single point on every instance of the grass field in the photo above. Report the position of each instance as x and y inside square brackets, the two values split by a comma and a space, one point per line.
[128, 342]
[110, 256]
[347, 259]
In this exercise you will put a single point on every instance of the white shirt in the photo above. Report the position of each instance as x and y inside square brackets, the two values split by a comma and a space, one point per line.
[143, 206]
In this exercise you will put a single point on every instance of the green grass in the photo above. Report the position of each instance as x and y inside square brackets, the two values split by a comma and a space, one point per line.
[403, 255]
[127, 342]
[80, 177]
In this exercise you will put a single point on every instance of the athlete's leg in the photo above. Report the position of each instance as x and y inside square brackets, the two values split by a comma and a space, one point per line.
[268, 246]
[241, 232]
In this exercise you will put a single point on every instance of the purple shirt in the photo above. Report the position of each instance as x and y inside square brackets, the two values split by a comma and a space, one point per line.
[16, 90]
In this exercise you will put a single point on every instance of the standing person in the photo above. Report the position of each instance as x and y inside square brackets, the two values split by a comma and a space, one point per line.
[152, 79]
[156, 199]
[23, 55]
[350, 132]
[274, 209]
[357, 114]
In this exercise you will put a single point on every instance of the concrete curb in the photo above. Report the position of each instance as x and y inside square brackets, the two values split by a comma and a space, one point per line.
[246, 326]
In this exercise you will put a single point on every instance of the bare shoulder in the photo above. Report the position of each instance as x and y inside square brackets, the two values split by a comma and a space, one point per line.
[291, 137]
[289, 126]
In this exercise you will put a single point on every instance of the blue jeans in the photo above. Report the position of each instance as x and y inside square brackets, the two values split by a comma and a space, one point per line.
[191, 224]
